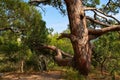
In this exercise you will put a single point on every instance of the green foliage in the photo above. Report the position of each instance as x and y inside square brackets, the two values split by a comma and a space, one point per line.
[37, 35]
[58, 4]
[63, 44]
[91, 3]
[71, 74]
[107, 48]
[112, 7]
[97, 2]
[27, 28]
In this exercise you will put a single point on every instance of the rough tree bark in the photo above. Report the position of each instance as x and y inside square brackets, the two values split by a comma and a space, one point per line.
[79, 36]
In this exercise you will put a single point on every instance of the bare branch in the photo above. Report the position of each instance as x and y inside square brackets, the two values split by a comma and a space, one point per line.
[12, 29]
[89, 8]
[97, 22]
[101, 12]
[107, 15]
[5, 29]
[95, 13]
[107, 4]
[37, 2]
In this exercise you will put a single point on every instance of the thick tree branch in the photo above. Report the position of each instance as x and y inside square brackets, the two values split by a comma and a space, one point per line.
[93, 34]
[59, 55]
[53, 48]
[102, 31]
[92, 37]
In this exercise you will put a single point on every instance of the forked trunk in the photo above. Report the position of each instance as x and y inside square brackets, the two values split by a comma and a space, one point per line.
[79, 36]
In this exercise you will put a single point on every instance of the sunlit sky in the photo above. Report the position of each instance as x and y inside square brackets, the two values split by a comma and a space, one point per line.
[55, 20]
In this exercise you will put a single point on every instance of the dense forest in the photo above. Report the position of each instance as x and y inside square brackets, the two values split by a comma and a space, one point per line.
[27, 45]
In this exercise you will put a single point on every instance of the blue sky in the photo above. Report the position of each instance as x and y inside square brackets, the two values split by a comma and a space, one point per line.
[55, 20]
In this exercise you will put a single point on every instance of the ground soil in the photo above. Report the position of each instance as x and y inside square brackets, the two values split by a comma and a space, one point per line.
[51, 75]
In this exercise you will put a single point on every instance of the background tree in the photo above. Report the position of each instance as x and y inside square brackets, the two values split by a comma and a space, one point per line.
[106, 53]
[80, 35]
[18, 24]
[63, 44]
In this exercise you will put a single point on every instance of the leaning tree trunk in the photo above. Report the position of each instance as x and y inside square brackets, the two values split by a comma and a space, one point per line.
[79, 36]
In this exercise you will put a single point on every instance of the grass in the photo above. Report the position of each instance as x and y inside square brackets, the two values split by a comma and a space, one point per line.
[95, 74]
[71, 74]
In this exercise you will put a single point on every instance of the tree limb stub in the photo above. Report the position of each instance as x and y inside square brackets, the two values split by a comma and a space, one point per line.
[64, 35]
[69, 36]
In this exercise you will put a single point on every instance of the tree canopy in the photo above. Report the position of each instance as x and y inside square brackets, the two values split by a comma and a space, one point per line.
[21, 28]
